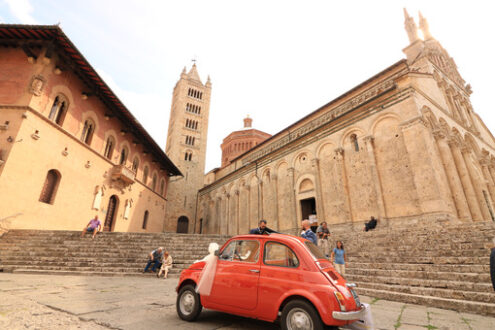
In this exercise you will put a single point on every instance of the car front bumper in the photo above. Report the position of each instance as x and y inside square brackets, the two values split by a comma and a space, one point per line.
[346, 316]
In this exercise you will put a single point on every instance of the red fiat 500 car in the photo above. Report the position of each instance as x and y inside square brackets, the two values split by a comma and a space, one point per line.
[270, 277]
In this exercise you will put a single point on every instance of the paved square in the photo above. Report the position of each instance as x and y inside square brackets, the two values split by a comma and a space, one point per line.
[85, 302]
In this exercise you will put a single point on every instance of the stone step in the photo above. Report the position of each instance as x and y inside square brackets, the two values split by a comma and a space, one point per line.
[99, 264]
[485, 297]
[484, 268]
[89, 273]
[423, 260]
[116, 270]
[433, 301]
[415, 282]
[421, 275]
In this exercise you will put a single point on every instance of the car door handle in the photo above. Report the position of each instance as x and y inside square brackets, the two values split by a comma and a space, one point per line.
[254, 270]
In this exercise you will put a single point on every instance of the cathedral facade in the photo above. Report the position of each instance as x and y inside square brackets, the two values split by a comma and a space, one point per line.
[404, 146]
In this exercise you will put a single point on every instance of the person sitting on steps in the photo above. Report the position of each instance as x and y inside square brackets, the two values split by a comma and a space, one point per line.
[155, 258]
[92, 227]
[370, 225]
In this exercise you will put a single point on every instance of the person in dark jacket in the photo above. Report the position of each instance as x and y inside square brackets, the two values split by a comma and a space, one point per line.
[370, 224]
[492, 264]
[262, 229]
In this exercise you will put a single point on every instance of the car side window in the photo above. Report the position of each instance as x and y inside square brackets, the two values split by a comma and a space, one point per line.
[278, 254]
[241, 250]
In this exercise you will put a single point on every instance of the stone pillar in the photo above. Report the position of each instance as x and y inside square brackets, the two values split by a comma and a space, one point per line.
[260, 199]
[382, 213]
[477, 183]
[453, 179]
[465, 180]
[226, 216]
[488, 178]
[273, 181]
[426, 168]
[237, 213]
[290, 170]
[248, 194]
[320, 208]
[339, 157]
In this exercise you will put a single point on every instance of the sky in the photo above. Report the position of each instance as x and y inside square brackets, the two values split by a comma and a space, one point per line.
[274, 60]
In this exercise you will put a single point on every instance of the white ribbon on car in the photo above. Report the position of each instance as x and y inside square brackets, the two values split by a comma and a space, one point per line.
[207, 275]
[365, 324]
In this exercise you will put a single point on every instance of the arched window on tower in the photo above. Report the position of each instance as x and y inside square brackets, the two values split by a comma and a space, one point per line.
[50, 187]
[87, 132]
[354, 141]
[58, 110]
[109, 146]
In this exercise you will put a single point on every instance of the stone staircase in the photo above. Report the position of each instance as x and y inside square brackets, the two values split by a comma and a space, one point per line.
[441, 266]
[109, 254]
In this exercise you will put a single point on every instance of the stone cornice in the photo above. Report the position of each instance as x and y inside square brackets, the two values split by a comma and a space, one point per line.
[397, 97]
[351, 104]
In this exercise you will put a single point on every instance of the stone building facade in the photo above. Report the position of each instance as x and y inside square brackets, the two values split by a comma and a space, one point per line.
[69, 149]
[186, 147]
[238, 142]
[405, 146]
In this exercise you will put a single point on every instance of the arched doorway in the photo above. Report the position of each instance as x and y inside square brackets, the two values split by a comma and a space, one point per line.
[182, 225]
[113, 204]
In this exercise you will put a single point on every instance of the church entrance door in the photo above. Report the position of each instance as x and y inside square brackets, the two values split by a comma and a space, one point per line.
[182, 225]
[111, 211]
[308, 206]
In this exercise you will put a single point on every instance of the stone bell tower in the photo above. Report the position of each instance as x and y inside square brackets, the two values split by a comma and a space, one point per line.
[186, 147]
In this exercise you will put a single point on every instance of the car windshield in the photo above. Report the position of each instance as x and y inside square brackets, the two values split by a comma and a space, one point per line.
[315, 251]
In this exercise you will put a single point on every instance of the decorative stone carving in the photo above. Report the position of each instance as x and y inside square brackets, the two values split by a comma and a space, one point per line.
[37, 84]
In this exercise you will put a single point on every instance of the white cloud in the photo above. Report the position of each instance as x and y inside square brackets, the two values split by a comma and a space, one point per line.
[22, 10]
[147, 108]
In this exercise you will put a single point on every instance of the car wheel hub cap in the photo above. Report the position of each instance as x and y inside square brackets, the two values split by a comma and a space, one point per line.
[187, 303]
[299, 320]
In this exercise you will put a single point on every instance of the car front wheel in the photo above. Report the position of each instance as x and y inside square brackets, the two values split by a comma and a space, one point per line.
[300, 315]
[188, 303]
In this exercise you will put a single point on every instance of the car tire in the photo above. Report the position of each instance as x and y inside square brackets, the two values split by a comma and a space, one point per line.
[188, 303]
[299, 314]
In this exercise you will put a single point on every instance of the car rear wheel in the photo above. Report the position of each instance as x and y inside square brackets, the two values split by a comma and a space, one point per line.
[300, 315]
[188, 303]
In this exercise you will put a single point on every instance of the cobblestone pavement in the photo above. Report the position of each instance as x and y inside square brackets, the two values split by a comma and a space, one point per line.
[79, 302]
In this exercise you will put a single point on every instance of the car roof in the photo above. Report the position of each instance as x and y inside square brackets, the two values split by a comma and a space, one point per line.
[281, 237]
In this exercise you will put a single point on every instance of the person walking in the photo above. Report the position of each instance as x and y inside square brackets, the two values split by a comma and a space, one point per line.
[262, 229]
[323, 238]
[155, 258]
[307, 233]
[166, 265]
[492, 264]
[339, 258]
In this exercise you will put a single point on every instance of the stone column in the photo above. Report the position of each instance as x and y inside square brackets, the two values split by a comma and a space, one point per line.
[260, 199]
[320, 208]
[488, 178]
[339, 157]
[477, 183]
[248, 193]
[453, 179]
[465, 180]
[382, 213]
[291, 170]
[226, 214]
[273, 181]
[491, 169]
[237, 213]
[426, 168]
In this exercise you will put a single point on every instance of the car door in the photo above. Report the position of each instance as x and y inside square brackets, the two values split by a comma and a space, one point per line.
[237, 275]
